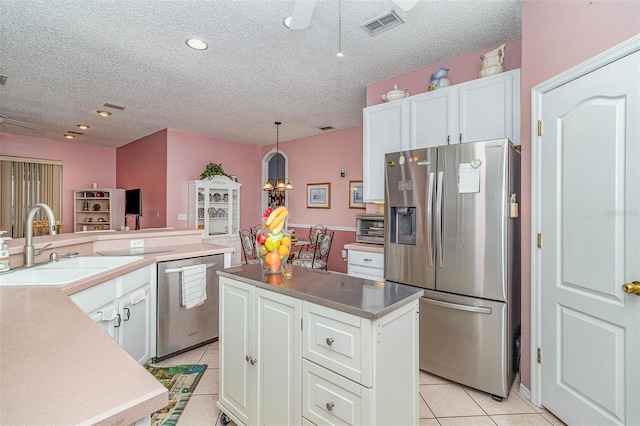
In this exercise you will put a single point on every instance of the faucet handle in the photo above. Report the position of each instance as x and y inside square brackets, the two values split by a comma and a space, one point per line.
[53, 257]
[39, 251]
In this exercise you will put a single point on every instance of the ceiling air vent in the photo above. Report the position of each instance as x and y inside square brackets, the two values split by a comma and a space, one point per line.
[382, 23]
[324, 128]
[121, 108]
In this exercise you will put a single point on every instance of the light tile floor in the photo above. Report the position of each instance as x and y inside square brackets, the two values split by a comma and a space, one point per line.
[442, 403]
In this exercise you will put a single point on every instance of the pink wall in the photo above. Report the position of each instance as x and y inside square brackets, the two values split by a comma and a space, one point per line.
[319, 159]
[143, 164]
[81, 164]
[461, 69]
[163, 163]
[189, 153]
[557, 35]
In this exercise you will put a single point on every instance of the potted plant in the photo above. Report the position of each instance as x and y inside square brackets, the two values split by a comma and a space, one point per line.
[214, 169]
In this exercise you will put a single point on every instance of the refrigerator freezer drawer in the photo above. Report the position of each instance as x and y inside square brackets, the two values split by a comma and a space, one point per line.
[464, 339]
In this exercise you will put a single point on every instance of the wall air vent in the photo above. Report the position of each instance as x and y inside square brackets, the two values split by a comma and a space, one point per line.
[325, 128]
[382, 23]
[121, 108]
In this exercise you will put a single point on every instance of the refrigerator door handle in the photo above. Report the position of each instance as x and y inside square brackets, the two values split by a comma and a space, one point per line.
[430, 248]
[439, 218]
[476, 309]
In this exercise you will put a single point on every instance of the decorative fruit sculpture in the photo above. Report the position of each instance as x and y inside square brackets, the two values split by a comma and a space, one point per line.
[272, 243]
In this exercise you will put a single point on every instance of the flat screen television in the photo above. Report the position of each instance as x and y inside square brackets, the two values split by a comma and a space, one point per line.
[133, 202]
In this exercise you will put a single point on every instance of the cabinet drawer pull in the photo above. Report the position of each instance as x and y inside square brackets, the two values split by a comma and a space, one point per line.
[329, 341]
[253, 361]
[330, 406]
[367, 260]
[119, 321]
[247, 358]
[128, 314]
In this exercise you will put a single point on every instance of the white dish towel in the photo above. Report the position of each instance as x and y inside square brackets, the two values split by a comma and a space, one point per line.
[193, 285]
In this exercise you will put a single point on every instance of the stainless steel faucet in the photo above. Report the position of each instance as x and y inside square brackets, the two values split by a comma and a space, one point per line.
[29, 251]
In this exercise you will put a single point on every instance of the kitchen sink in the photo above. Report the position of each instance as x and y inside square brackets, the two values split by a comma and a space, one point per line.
[92, 262]
[64, 271]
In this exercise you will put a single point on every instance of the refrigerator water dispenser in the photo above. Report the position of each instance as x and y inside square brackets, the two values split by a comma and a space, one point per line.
[403, 225]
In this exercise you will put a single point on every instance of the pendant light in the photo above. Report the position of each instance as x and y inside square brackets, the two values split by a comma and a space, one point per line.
[280, 185]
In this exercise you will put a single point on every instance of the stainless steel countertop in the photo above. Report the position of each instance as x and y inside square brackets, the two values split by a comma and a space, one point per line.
[364, 298]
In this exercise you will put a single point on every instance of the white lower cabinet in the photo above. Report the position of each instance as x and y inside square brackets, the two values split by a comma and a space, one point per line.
[259, 355]
[335, 369]
[124, 308]
[365, 264]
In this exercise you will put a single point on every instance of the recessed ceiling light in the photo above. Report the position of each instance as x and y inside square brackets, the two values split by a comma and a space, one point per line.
[83, 126]
[68, 136]
[197, 44]
[287, 21]
[104, 113]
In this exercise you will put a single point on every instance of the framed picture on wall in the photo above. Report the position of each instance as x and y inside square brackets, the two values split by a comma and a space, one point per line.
[319, 195]
[355, 195]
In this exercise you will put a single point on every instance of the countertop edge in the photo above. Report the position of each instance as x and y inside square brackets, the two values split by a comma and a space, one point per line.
[373, 248]
[232, 273]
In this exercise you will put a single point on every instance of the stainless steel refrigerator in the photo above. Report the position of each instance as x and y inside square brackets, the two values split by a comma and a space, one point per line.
[452, 228]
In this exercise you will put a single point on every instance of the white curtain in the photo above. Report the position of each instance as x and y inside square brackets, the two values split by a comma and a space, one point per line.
[24, 183]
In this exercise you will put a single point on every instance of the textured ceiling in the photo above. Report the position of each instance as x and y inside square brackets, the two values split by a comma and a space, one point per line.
[64, 59]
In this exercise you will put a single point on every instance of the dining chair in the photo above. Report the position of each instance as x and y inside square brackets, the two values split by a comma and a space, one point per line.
[248, 242]
[320, 255]
[315, 237]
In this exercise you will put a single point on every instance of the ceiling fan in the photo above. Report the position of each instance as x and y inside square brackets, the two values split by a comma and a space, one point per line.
[303, 12]
[6, 121]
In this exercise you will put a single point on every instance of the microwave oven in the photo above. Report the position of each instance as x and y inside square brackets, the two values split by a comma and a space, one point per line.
[370, 228]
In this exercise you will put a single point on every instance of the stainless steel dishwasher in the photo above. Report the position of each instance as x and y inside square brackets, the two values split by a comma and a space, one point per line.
[181, 329]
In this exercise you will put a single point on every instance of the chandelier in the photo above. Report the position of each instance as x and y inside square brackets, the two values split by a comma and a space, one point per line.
[279, 184]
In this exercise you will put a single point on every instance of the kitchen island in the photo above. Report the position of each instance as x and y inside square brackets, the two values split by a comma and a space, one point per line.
[56, 366]
[314, 347]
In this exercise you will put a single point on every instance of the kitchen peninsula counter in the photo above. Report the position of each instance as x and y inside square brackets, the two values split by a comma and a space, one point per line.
[357, 296]
[57, 366]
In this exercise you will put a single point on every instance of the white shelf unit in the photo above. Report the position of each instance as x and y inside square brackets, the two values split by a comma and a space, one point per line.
[98, 209]
[214, 207]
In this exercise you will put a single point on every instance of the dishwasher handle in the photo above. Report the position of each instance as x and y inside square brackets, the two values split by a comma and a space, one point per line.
[176, 270]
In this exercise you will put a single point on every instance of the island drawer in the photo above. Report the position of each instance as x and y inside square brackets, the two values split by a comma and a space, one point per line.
[339, 341]
[331, 399]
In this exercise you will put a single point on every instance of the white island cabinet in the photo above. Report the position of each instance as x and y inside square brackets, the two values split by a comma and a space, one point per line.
[259, 354]
[290, 356]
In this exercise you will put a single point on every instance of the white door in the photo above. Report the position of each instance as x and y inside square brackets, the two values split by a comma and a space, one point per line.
[589, 211]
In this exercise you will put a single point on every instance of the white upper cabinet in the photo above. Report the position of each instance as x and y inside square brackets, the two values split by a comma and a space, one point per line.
[385, 129]
[482, 109]
[434, 117]
[489, 108]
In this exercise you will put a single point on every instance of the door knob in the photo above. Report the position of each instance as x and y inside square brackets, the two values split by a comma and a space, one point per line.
[632, 288]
